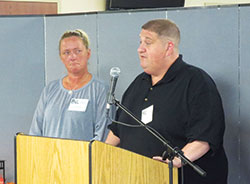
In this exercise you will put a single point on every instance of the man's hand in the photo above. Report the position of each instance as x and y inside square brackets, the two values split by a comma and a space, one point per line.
[176, 161]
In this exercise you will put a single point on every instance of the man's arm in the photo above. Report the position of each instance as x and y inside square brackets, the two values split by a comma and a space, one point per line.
[193, 151]
[112, 139]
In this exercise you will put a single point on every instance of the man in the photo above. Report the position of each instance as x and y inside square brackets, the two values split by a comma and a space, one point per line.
[178, 100]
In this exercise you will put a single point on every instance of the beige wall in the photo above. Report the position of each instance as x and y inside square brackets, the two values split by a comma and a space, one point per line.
[189, 3]
[77, 6]
[69, 6]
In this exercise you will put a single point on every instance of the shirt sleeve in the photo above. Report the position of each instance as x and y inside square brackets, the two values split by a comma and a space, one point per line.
[206, 122]
[102, 122]
[37, 121]
[114, 126]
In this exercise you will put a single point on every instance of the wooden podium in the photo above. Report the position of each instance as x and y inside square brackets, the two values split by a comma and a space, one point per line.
[44, 160]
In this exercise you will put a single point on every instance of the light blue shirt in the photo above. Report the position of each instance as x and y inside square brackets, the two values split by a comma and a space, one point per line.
[52, 118]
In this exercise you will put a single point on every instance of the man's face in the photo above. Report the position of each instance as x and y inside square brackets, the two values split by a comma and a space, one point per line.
[152, 52]
[74, 55]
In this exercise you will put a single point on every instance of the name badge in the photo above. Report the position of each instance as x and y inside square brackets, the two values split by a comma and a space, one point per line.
[78, 104]
[147, 114]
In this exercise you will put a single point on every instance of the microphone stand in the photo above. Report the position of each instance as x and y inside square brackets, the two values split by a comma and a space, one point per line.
[172, 151]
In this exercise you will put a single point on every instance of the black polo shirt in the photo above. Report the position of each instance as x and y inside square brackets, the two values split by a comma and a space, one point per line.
[186, 107]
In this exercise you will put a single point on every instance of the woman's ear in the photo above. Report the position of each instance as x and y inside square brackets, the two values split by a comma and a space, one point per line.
[89, 53]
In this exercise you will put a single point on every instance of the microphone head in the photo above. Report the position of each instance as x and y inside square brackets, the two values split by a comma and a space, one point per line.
[115, 71]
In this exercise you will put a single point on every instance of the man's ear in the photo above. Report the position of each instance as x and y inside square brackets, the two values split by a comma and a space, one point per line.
[170, 48]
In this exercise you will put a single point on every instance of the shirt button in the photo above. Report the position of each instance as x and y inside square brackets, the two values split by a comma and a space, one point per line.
[151, 89]
[146, 99]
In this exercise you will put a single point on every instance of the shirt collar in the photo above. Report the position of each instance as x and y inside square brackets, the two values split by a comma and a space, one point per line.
[171, 73]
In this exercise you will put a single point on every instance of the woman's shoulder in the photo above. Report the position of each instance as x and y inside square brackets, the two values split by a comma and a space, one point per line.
[53, 85]
[99, 82]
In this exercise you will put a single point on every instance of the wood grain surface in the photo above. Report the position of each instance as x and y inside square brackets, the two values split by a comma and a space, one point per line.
[112, 165]
[43, 160]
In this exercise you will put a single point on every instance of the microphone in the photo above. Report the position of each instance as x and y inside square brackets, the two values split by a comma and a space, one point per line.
[114, 73]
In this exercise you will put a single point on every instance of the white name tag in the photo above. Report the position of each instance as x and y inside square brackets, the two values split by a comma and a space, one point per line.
[147, 114]
[78, 104]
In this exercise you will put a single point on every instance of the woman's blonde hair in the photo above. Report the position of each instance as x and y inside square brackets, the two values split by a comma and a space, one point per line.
[78, 33]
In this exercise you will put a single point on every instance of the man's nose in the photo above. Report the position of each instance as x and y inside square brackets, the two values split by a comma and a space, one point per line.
[140, 48]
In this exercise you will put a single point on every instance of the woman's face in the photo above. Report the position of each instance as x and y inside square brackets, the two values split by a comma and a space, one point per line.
[74, 55]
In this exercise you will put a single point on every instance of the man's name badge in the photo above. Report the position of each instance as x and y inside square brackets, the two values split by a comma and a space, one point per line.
[147, 114]
[78, 104]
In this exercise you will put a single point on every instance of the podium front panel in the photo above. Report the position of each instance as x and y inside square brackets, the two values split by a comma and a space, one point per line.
[113, 165]
[41, 160]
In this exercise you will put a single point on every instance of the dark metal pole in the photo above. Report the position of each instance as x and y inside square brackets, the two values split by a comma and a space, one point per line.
[175, 151]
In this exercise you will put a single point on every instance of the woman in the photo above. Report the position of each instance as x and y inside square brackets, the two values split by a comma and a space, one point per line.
[74, 106]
